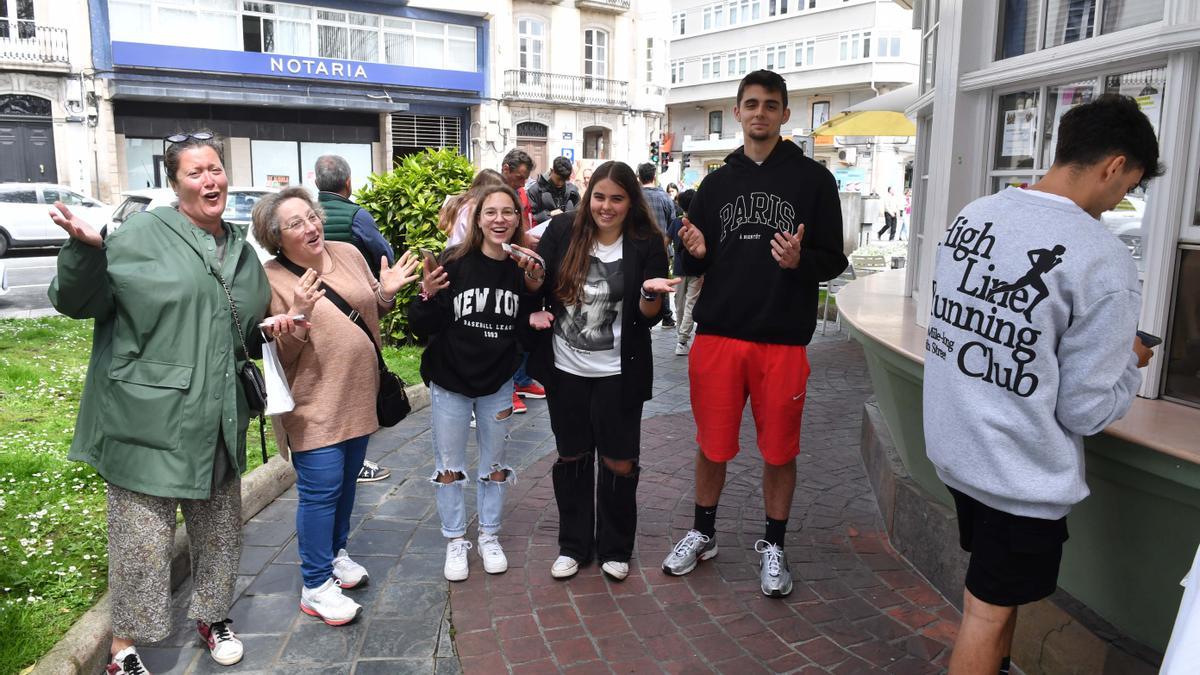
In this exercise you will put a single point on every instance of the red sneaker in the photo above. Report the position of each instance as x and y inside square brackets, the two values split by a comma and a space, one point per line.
[518, 404]
[531, 390]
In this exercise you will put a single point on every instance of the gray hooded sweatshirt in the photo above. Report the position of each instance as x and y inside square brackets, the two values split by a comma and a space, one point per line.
[1028, 350]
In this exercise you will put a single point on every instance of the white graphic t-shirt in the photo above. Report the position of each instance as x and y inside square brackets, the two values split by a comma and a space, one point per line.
[587, 337]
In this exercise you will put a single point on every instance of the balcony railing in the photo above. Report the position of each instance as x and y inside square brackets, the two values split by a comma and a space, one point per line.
[534, 85]
[46, 45]
[616, 6]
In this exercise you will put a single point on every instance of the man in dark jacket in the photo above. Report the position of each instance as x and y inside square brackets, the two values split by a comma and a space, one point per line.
[345, 220]
[662, 207]
[764, 230]
[553, 193]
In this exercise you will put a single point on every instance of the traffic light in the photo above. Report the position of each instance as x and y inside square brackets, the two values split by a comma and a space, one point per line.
[666, 161]
[687, 160]
[654, 152]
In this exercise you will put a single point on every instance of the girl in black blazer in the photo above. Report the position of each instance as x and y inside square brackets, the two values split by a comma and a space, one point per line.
[605, 279]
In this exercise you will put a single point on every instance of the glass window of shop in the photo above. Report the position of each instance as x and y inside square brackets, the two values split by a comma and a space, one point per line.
[297, 30]
[1182, 348]
[1030, 25]
[358, 155]
[278, 164]
[1026, 133]
[144, 163]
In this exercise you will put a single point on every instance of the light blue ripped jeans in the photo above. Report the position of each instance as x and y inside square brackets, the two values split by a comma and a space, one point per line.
[451, 414]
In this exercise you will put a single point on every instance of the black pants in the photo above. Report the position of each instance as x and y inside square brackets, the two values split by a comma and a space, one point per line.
[889, 223]
[597, 509]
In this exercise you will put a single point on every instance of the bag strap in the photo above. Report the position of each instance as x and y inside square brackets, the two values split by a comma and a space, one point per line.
[339, 302]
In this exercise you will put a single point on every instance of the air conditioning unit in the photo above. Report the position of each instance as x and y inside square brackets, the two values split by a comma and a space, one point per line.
[848, 155]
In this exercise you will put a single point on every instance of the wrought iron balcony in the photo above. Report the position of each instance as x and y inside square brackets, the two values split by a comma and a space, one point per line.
[26, 43]
[614, 6]
[532, 85]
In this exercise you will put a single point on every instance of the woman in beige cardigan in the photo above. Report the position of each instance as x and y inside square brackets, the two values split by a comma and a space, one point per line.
[331, 368]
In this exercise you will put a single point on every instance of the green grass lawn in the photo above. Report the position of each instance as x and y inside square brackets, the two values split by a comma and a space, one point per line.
[53, 537]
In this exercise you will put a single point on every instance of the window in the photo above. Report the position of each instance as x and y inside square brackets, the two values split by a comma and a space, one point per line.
[1026, 134]
[595, 56]
[679, 23]
[1029, 25]
[710, 67]
[1182, 348]
[820, 113]
[887, 46]
[779, 7]
[18, 196]
[649, 59]
[854, 46]
[299, 30]
[929, 33]
[531, 44]
[595, 143]
[803, 53]
[776, 57]
[20, 13]
[715, 121]
[714, 16]
[676, 72]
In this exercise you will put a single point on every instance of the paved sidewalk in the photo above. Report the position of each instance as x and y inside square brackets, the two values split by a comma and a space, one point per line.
[856, 608]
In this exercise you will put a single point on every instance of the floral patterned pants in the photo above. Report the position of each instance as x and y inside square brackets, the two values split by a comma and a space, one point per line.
[141, 533]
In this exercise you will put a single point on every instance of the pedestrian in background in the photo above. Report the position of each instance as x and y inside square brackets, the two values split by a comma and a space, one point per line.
[473, 309]
[663, 209]
[516, 167]
[177, 295]
[553, 192]
[605, 280]
[688, 290]
[331, 367]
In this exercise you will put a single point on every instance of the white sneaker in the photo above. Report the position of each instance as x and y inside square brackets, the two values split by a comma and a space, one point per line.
[682, 348]
[616, 570]
[327, 603]
[225, 647]
[494, 560]
[456, 560]
[126, 662]
[348, 573]
[564, 567]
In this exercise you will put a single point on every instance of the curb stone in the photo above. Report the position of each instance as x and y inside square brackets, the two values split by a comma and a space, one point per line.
[84, 649]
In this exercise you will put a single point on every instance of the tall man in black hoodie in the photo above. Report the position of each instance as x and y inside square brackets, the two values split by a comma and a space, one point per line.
[764, 230]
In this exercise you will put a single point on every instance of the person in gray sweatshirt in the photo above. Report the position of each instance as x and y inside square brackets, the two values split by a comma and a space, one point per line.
[1030, 347]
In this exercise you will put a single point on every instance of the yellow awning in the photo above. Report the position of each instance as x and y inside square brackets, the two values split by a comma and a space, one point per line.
[868, 123]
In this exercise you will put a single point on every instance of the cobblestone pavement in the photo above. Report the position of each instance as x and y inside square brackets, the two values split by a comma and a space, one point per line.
[857, 606]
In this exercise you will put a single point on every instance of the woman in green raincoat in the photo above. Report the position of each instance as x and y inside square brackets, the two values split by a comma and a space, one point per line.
[163, 417]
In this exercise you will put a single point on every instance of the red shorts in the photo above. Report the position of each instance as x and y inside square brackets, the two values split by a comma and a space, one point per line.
[724, 371]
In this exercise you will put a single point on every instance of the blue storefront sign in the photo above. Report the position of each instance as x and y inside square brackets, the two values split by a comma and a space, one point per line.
[291, 67]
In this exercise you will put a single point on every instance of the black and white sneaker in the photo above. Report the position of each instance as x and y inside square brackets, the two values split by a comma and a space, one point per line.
[371, 472]
[126, 662]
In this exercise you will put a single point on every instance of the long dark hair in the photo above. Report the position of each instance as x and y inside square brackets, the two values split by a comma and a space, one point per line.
[474, 240]
[639, 224]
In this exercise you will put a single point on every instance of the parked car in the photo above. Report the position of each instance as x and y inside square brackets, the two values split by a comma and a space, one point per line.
[238, 208]
[24, 214]
[1125, 221]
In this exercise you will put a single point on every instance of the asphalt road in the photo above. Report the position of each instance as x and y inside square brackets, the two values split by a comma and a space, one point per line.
[29, 274]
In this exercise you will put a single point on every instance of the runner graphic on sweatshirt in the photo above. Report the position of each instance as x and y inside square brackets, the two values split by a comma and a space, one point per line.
[1041, 261]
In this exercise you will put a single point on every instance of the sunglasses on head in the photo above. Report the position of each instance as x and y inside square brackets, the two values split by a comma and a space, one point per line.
[199, 136]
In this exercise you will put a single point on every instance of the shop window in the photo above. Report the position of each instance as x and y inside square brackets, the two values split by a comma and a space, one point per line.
[357, 155]
[1182, 349]
[820, 113]
[1026, 134]
[1066, 21]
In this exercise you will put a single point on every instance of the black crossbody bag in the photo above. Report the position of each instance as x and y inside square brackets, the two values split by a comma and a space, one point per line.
[391, 405]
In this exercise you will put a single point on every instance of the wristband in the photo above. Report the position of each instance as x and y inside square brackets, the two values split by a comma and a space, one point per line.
[648, 297]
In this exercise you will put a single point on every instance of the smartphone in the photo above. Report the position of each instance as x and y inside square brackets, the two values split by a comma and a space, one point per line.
[508, 248]
[431, 262]
[1150, 341]
[297, 317]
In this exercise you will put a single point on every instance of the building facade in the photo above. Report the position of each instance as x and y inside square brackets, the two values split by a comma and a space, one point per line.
[832, 53]
[584, 79]
[46, 118]
[284, 82]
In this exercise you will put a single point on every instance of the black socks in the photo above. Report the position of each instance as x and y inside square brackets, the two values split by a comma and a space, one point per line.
[776, 529]
[1005, 664]
[706, 520]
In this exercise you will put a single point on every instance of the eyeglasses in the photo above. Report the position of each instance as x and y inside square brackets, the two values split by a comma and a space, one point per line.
[312, 218]
[506, 213]
[199, 136]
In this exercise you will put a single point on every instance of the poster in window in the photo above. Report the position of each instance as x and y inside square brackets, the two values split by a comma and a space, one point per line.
[1019, 127]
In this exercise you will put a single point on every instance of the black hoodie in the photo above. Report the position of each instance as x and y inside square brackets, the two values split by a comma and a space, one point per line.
[739, 208]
